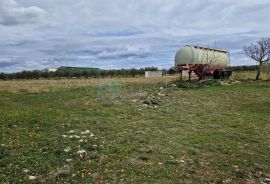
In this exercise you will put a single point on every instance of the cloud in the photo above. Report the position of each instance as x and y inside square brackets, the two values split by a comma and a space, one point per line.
[7, 63]
[125, 34]
[11, 13]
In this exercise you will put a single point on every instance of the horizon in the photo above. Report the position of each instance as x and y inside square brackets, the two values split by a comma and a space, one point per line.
[50, 34]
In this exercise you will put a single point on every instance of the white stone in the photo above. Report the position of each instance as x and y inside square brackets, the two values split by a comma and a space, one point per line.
[68, 160]
[85, 132]
[32, 177]
[182, 161]
[67, 149]
[161, 94]
[81, 151]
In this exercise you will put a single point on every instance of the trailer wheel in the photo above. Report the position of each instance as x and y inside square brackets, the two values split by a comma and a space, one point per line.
[222, 74]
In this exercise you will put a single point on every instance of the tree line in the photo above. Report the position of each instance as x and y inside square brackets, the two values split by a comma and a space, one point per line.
[80, 73]
[244, 68]
[77, 73]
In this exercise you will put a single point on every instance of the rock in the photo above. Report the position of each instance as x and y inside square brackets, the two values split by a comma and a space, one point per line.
[85, 132]
[68, 160]
[161, 94]
[67, 149]
[145, 105]
[182, 161]
[32, 177]
[81, 151]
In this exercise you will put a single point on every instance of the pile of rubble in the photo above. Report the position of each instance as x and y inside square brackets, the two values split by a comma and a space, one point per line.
[151, 100]
[202, 83]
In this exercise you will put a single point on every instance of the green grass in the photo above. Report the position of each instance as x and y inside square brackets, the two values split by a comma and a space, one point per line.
[212, 134]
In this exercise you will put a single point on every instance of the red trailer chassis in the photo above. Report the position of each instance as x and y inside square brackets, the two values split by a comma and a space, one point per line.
[205, 70]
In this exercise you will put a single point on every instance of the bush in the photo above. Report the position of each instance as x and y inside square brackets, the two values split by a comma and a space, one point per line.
[196, 84]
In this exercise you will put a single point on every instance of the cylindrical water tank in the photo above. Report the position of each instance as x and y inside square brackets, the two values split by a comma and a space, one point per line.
[191, 54]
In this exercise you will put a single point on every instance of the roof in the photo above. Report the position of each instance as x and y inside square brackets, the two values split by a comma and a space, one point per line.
[208, 48]
[78, 68]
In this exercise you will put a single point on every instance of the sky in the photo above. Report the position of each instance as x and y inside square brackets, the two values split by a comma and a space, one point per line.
[38, 34]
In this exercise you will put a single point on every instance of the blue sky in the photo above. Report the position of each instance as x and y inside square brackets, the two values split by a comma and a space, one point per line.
[123, 33]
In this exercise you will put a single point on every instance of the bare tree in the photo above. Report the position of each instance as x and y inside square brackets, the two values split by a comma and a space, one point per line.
[260, 52]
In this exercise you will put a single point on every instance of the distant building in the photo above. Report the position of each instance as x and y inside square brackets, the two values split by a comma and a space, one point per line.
[50, 70]
[67, 68]
[149, 74]
[185, 73]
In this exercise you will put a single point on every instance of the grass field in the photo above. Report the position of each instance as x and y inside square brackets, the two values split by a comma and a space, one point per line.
[58, 132]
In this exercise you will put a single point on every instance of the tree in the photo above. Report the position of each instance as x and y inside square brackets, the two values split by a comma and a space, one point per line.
[141, 71]
[151, 68]
[172, 71]
[133, 72]
[3, 76]
[260, 52]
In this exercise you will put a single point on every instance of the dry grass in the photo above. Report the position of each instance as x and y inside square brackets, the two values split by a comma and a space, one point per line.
[39, 86]
[249, 75]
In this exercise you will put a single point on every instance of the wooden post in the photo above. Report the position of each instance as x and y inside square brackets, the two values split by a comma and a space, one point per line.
[181, 74]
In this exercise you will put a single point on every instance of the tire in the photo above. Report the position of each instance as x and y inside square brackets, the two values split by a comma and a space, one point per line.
[222, 74]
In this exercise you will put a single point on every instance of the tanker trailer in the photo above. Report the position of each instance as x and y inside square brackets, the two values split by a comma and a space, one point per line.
[203, 61]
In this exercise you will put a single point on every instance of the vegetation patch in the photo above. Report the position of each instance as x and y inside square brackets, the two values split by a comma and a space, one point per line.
[195, 84]
[218, 133]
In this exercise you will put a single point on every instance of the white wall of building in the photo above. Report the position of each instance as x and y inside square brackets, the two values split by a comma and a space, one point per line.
[149, 74]
[52, 69]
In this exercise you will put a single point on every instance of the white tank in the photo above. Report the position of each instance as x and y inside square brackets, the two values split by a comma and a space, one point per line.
[191, 54]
